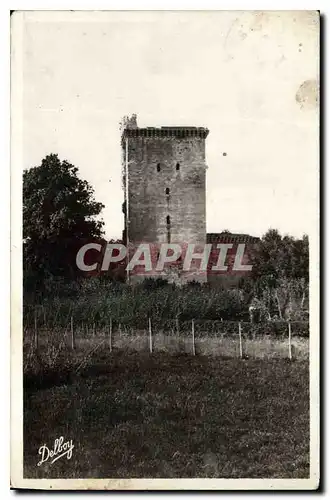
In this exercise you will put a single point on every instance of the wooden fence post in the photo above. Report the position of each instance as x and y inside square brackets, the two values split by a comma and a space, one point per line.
[72, 334]
[177, 325]
[240, 340]
[110, 335]
[290, 348]
[150, 336]
[193, 336]
[35, 330]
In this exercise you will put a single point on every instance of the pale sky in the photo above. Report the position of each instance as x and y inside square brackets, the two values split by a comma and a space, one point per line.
[236, 73]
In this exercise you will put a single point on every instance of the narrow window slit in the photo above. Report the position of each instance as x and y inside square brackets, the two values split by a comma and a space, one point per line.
[168, 227]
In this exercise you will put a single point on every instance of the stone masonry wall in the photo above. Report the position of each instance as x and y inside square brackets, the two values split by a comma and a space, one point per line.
[152, 167]
[166, 185]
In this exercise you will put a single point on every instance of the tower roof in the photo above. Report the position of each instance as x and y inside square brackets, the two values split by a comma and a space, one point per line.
[226, 237]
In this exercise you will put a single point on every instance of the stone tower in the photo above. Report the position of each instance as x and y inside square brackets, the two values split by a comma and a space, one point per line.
[164, 175]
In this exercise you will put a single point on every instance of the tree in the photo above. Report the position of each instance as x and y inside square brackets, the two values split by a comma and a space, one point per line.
[280, 273]
[276, 257]
[59, 215]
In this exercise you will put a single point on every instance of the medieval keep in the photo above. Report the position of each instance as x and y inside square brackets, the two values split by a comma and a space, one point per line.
[164, 177]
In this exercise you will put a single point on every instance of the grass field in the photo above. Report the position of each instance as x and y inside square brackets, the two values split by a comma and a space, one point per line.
[141, 415]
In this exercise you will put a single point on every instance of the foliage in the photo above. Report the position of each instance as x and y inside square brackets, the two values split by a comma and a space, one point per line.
[277, 257]
[276, 290]
[59, 215]
[280, 275]
[98, 299]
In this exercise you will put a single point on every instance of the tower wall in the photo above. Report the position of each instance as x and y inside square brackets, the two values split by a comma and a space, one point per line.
[166, 185]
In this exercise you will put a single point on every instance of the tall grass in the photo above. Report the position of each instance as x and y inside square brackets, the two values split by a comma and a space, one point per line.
[97, 300]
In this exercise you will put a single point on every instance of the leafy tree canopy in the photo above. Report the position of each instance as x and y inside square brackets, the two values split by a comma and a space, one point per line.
[280, 274]
[277, 257]
[59, 214]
